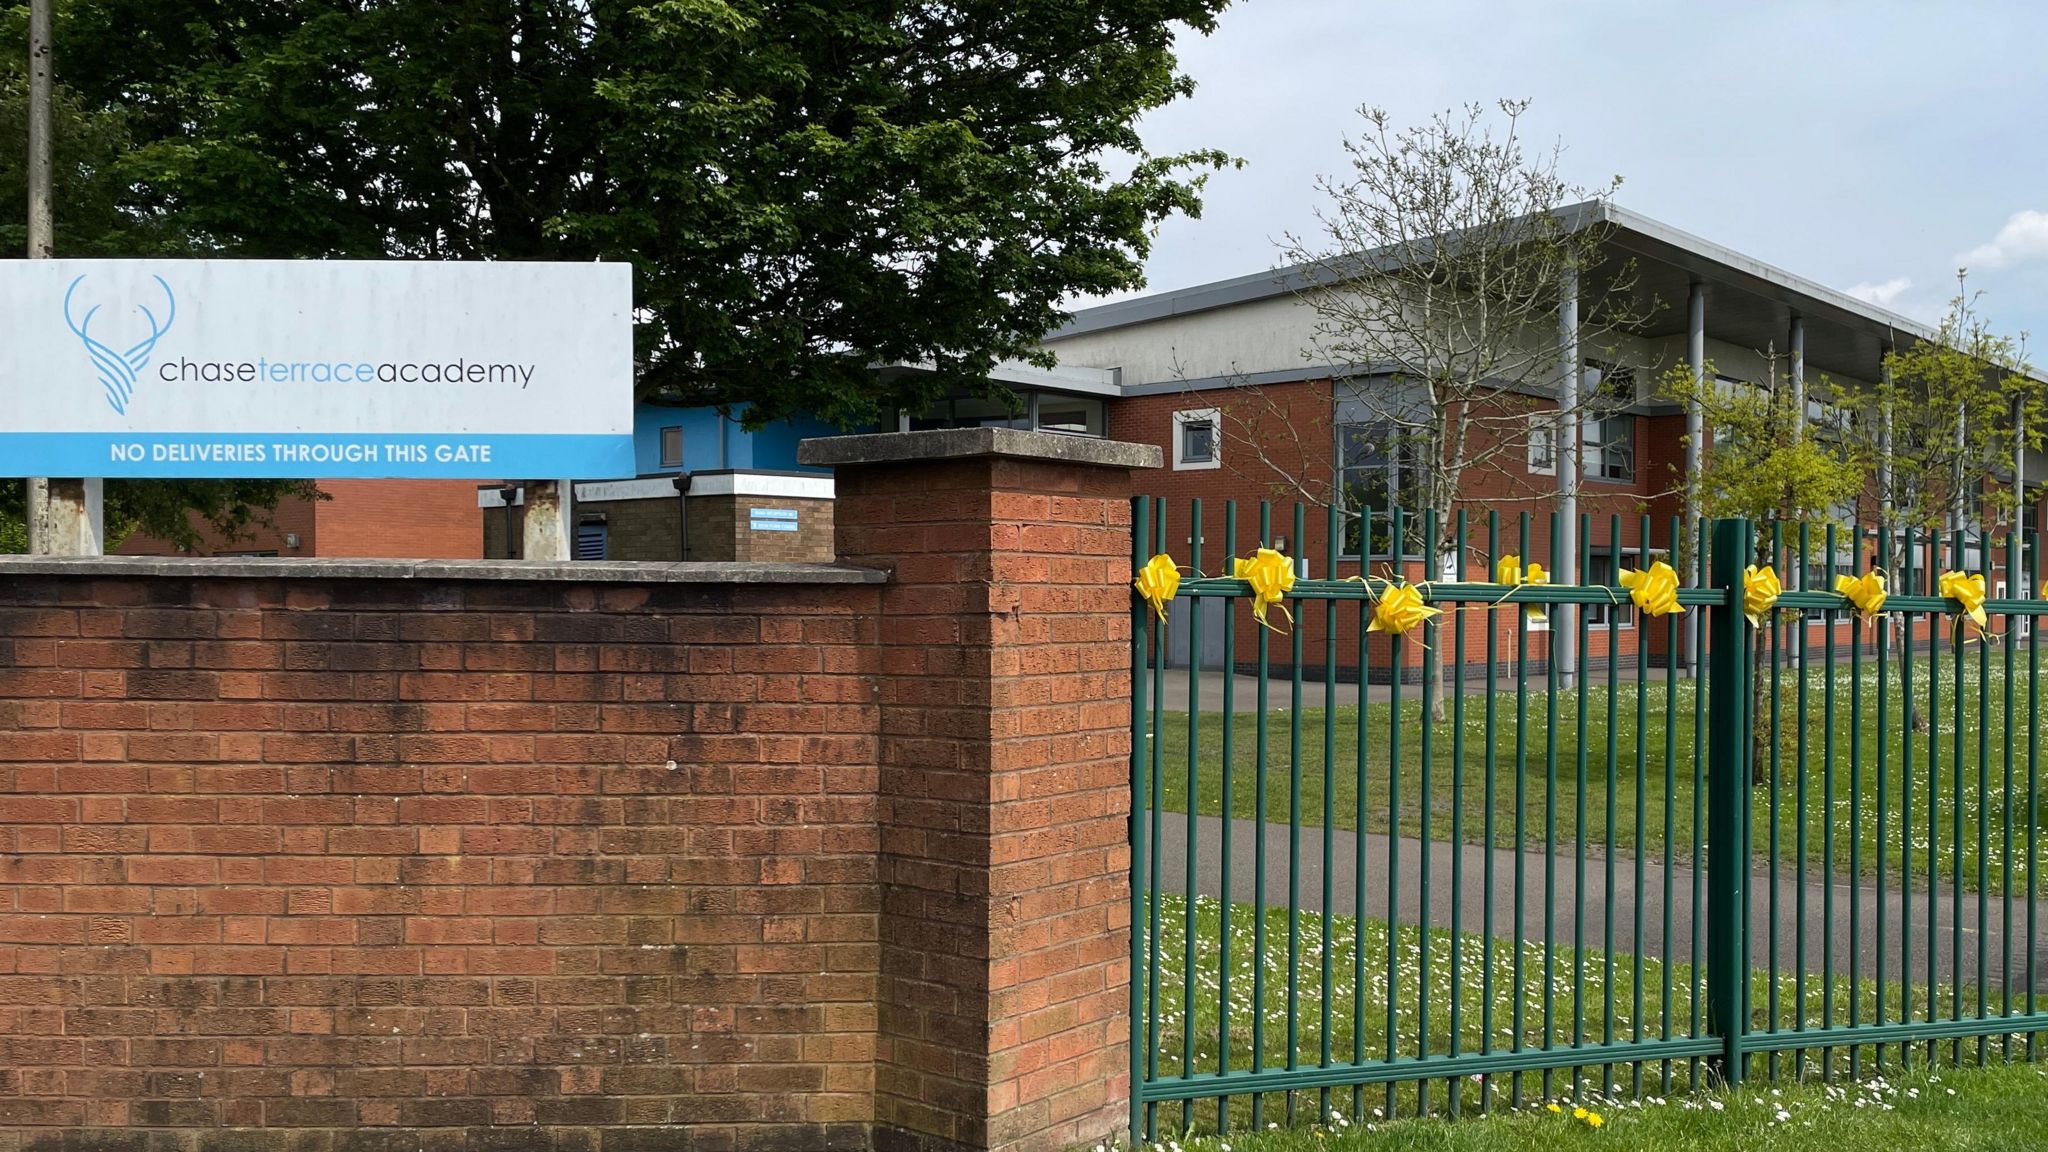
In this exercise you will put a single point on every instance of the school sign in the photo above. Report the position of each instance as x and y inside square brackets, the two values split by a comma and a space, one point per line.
[298, 368]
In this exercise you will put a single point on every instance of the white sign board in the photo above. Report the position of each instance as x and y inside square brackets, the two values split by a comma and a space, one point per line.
[311, 368]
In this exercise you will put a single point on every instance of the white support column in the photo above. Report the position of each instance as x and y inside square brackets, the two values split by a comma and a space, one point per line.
[1798, 350]
[2019, 479]
[1695, 446]
[545, 531]
[1565, 549]
[1884, 449]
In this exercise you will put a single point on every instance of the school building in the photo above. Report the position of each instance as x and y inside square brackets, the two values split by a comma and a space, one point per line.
[1216, 376]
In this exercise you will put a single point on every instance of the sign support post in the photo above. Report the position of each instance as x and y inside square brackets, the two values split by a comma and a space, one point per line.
[65, 517]
[545, 530]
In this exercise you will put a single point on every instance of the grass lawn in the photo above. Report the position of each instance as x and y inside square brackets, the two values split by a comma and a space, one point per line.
[1599, 756]
[2003, 1108]
[1514, 995]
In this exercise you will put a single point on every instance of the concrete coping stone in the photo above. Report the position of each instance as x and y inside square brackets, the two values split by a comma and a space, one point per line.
[577, 571]
[954, 443]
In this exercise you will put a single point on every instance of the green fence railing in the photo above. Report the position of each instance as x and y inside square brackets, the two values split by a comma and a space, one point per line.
[1547, 846]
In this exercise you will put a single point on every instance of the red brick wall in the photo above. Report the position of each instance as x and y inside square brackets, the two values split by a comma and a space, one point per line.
[390, 857]
[296, 862]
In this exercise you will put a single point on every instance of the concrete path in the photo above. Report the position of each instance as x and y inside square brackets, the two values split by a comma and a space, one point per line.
[1849, 900]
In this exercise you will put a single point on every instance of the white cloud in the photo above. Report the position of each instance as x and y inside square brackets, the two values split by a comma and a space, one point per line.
[2024, 237]
[1884, 294]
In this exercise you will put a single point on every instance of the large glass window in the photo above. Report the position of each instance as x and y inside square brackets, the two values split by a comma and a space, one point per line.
[969, 412]
[1543, 444]
[1073, 415]
[1609, 427]
[1378, 467]
[1600, 571]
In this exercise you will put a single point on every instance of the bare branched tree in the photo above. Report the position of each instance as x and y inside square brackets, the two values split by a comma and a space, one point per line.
[1444, 278]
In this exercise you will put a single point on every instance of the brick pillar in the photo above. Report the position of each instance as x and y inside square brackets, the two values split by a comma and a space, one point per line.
[1004, 766]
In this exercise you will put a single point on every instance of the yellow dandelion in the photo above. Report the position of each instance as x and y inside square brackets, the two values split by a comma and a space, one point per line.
[1555, 1108]
[1579, 1113]
[1593, 1119]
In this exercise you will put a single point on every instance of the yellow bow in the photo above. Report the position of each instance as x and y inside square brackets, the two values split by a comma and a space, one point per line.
[1509, 571]
[1655, 590]
[1271, 577]
[1866, 592]
[1400, 609]
[1967, 589]
[1157, 581]
[1760, 592]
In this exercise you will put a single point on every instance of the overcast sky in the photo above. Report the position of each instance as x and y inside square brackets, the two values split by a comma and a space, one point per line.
[1870, 145]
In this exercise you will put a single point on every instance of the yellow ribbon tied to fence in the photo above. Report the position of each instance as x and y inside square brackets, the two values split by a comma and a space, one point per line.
[1157, 581]
[1271, 577]
[1967, 589]
[1509, 571]
[1760, 592]
[1400, 610]
[1866, 592]
[1654, 589]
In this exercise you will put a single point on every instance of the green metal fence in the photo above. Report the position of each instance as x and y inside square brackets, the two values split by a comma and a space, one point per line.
[1360, 890]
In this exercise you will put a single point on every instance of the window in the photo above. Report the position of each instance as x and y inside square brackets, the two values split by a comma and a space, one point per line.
[969, 412]
[1195, 439]
[1611, 448]
[1600, 571]
[2022, 627]
[1379, 466]
[1609, 428]
[1072, 415]
[591, 540]
[1729, 389]
[1543, 444]
[671, 447]
[1817, 578]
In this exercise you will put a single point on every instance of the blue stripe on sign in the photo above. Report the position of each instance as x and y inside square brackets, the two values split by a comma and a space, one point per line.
[284, 455]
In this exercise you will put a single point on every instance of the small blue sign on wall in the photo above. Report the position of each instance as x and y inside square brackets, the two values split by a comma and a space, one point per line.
[772, 519]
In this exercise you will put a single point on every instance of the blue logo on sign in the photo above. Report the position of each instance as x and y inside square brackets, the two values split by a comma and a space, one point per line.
[119, 370]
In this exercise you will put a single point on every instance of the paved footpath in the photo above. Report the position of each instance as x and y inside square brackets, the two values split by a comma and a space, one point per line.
[1859, 900]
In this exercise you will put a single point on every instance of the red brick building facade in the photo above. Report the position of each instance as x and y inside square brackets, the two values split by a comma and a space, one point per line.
[412, 519]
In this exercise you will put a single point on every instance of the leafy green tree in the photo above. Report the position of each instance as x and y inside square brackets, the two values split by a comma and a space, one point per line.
[1949, 425]
[94, 219]
[1767, 463]
[803, 189]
